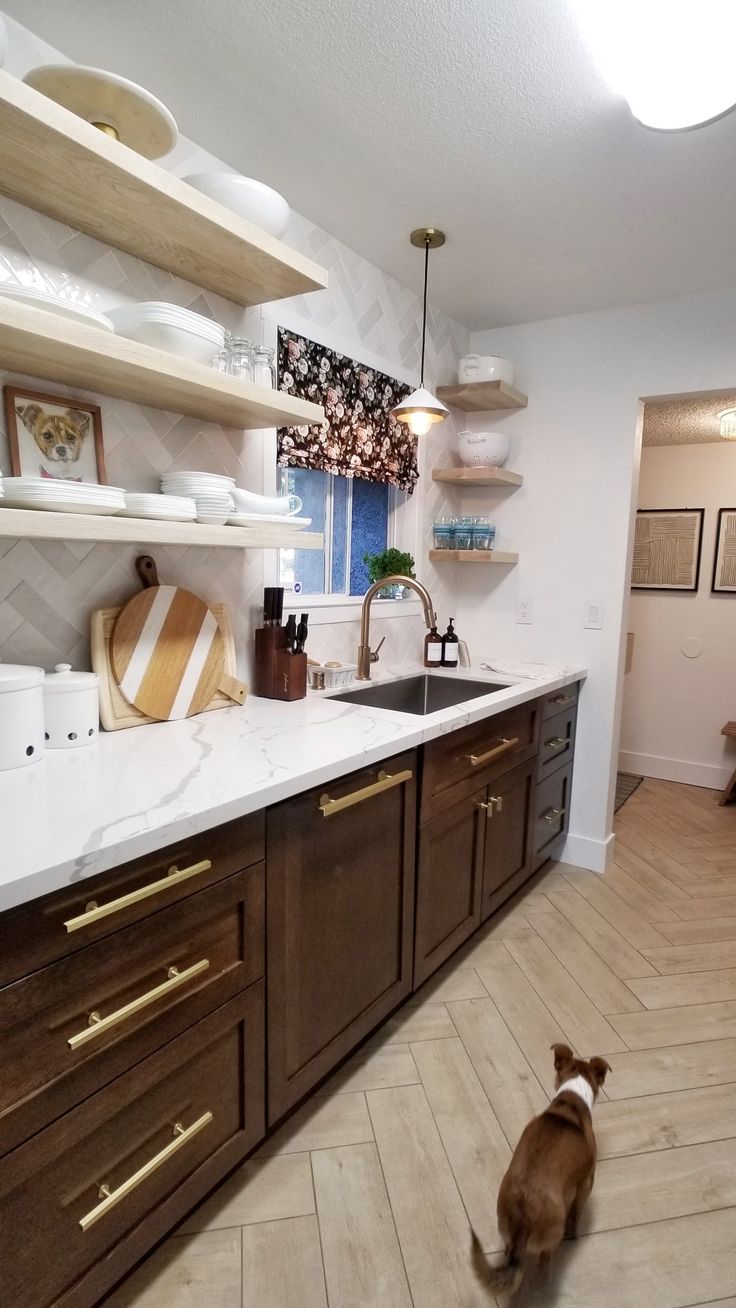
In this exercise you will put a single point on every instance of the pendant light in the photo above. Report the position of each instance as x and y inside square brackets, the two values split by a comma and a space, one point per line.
[421, 409]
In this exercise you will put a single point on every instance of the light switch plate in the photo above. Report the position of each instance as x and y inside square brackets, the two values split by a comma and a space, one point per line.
[593, 618]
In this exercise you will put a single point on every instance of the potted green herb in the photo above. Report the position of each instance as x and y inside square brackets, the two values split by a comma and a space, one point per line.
[389, 563]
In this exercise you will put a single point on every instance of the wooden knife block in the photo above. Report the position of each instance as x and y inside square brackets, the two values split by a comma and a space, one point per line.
[278, 674]
[290, 675]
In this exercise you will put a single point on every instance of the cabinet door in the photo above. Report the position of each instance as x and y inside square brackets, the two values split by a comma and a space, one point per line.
[551, 814]
[507, 844]
[340, 912]
[449, 881]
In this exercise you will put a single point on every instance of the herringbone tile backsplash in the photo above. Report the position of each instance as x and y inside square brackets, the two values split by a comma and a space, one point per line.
[48, 588]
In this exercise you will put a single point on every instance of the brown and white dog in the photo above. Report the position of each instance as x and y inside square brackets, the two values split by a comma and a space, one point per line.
[550, 1175]
[59, 437]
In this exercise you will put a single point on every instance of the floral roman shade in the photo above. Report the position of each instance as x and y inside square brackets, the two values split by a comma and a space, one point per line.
[360, 437]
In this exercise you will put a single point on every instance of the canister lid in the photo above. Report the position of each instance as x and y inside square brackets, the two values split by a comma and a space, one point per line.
[63, 679]
[16, 676]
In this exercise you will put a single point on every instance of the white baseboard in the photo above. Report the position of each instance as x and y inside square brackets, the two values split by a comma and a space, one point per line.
[674, 769]
[582, 851]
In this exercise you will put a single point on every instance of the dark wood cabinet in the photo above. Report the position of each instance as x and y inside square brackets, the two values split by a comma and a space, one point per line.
[340, 920]
[449, 882]
[551, 814]
[508, 831]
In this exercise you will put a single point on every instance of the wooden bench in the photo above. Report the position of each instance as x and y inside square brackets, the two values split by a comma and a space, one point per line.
[729, 791]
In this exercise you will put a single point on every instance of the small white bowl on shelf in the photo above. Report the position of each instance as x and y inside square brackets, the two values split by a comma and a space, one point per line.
[485, 367]
[483, 449]
[168, 327]
[257, 203]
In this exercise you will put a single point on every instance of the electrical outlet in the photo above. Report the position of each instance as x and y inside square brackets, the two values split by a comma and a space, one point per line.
[524, 612]
[593, 616]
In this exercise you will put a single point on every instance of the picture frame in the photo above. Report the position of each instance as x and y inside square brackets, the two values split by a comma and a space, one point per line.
[668, 545]
[724, 560]
[54, 436]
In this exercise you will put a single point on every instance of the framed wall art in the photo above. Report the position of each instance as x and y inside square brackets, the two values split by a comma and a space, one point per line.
[53, 436]
[724, 565]
[667, 548]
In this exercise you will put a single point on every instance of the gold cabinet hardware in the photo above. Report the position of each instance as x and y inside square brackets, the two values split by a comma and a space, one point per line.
[562, 699]
[555, 742]
[94, 911]
[488, 807]
[498, 801]
[501, 748]
[97, 1024]
[109, 1198]
[385, 781]
[553, 814]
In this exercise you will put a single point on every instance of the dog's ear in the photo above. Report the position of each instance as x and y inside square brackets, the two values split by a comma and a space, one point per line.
[29, 415]
[599, 1067]
[563, 1054]
[80, 420]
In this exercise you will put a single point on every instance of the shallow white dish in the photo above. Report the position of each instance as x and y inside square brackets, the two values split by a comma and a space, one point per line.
[188, 335]
[207, 480]
[212, 519]
[257, 203]
[136, 116]
[269, 519]
[64, 486]
[157, 515]
[51, 505]
[249, 502]
[173, 508]
[54, 304]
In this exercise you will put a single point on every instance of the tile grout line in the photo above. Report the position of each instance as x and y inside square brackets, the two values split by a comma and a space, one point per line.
[319, 1228]
[390, 1204]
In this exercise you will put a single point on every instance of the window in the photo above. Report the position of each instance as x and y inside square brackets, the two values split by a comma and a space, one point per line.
[355, 517]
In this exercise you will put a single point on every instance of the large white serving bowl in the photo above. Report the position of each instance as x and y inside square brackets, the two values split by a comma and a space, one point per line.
[269, 505]
[253, 200]
[483, 449]
[168, 327]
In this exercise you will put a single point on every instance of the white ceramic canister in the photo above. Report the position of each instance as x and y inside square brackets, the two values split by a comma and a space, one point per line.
[21, 715]
[483, 449]
[71, 707]
[485, 367]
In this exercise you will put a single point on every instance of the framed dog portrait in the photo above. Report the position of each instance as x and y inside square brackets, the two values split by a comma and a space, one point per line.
[667, 546]
[724, 565]
[53, 436]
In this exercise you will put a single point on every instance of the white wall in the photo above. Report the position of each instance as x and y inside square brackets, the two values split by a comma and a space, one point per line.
[576, 445]
[674, 706]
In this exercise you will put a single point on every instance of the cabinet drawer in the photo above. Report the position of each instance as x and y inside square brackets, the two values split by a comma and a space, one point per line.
[558, 700]
[56, 925]
[454, 765]
[552, 809]
[556, 742]
[54, 1055]
[83, 1200]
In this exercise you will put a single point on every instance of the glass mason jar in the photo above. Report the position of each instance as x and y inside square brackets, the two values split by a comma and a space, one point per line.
[241, 358]
[264, 367]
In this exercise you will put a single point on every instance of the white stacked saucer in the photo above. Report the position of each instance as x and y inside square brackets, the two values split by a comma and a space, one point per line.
[168, 508]
[54, 495]
[211, 492]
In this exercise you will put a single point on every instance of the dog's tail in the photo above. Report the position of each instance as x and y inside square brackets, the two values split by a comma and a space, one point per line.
[504, 1279]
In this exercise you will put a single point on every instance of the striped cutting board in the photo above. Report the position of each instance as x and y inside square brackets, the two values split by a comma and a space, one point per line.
[167, 652]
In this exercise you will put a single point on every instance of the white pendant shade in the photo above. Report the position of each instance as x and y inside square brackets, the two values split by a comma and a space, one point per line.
[420, 410]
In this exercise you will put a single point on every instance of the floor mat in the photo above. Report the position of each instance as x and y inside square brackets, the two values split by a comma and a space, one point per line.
[626, 784]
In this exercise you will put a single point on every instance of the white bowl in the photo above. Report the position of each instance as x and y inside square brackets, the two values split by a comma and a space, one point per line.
[186, 334]
[252, 200]
[485, 367]
[483, 449]
[212, 519]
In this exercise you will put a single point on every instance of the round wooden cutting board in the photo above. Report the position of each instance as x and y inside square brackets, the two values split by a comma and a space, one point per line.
[168, 653]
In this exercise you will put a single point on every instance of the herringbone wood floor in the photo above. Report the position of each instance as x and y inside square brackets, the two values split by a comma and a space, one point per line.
[365, 1197]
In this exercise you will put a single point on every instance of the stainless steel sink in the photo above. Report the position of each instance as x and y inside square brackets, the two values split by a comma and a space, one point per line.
[420, 695]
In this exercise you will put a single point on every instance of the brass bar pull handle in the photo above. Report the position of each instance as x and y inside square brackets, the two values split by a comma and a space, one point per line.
[386, 780]
[502, 748]
[553, 814]
[555, 742]
[110, 1198]
[498, 801]
[94, 911]
[562, 699]
[98, 1025]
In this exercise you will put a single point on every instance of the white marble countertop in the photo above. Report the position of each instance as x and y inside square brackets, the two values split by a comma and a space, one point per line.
[79, 812]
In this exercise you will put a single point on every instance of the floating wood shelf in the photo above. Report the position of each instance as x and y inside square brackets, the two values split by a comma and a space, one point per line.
[477, 476]
[472, 556]
[35, 524]
[481, 397]
[59, 164]
[53, 348]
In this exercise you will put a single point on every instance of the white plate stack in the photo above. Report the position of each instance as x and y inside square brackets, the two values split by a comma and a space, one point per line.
[167, 327]
[54, 495]
[211, 492]
[165, 508]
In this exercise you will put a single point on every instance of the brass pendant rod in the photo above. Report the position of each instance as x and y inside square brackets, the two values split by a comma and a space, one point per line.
[424, 307]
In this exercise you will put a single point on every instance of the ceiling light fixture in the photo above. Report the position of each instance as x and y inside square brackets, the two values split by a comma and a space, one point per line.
[671, 59]
[727, 418]
[421, 409]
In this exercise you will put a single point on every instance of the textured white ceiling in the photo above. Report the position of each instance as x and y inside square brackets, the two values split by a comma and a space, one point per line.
[485, 117]
[692, 420]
